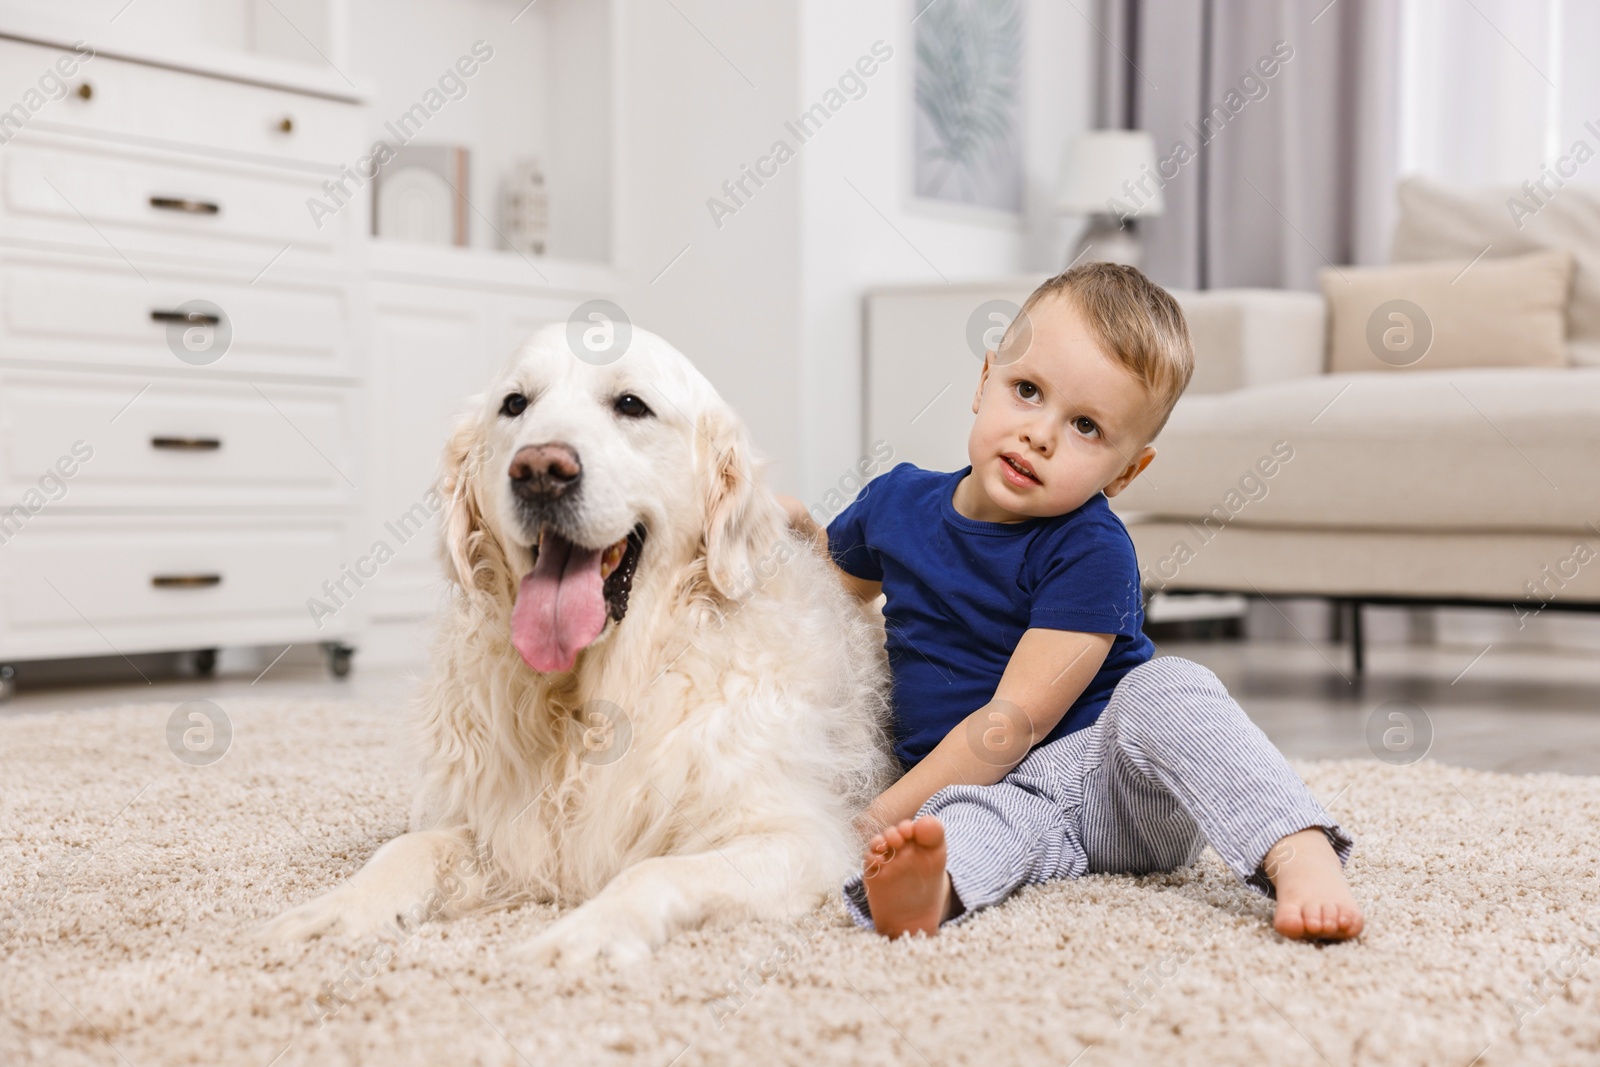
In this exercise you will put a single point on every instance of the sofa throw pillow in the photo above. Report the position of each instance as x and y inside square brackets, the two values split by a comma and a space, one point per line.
[1439, 222]
[1440, 316]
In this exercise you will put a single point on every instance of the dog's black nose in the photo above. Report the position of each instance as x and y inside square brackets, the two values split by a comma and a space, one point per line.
[541, 473]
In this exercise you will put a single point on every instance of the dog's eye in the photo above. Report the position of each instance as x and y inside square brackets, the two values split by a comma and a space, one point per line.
[631, 406]
[513, 405]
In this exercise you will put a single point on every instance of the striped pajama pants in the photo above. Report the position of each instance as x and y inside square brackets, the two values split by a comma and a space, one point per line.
[1172, 764]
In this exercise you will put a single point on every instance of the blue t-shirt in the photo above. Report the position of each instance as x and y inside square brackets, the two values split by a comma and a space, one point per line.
[960, 592]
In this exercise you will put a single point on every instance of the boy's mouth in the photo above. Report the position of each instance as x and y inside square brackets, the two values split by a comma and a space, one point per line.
[1018, 464]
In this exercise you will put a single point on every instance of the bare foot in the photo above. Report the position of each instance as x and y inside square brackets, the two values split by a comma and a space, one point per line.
[1314, 901]
[907, 887]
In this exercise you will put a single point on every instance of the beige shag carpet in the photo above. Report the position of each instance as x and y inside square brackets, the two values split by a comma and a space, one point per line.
[128, 879]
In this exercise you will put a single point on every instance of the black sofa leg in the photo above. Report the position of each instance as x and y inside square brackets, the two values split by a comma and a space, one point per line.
[1357, 651]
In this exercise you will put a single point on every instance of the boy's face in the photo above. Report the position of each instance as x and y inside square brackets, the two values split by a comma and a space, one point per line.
[1063, 409]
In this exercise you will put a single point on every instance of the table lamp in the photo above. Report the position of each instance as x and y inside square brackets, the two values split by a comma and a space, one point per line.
[1110, 175]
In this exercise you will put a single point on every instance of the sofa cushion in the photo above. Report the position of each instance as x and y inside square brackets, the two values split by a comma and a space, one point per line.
[1252, 336]
[1489, 449]
[1439, 222]
[1444, 315]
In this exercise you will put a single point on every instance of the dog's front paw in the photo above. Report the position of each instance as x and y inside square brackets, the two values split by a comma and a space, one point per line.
[585, 940]
[336, 914]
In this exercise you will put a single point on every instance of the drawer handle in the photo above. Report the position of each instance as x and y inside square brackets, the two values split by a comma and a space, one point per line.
[286, 124]
[190, 318]
[185, 581]
[187, 444]
[86, 91]
[185, 205]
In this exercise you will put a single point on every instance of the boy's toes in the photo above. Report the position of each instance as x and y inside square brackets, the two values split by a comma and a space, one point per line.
[928, 832]
[1289, 920]
[1314, 921]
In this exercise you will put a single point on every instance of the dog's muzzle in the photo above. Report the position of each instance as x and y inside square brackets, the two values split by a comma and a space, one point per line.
[542, 474]
[564, 601]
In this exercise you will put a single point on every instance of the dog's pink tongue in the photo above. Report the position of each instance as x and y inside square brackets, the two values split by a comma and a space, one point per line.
[560, 605]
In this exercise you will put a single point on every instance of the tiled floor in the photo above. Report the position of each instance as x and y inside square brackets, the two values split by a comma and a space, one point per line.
[1512, 711]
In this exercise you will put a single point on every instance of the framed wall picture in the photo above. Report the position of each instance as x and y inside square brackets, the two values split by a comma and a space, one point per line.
[967, 132]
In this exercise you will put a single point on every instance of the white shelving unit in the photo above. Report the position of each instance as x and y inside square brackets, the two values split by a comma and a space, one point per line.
[182, 381]
[418, 329]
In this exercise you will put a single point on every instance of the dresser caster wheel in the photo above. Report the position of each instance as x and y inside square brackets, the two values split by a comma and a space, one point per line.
[205, 662]
[338, 658]
[8, 684]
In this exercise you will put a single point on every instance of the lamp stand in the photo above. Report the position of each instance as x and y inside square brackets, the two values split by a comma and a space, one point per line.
[1110, 240]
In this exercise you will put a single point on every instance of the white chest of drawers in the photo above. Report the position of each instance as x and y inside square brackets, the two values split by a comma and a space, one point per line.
[181, 363]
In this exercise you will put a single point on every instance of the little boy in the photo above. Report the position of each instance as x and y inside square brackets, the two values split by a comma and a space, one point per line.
[1039, 737]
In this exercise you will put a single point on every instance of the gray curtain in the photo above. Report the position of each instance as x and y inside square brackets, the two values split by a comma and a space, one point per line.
[1290, 166]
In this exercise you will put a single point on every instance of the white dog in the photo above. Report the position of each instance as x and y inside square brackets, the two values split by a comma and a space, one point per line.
[648, 698]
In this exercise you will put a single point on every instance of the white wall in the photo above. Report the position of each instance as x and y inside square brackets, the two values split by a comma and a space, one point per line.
[769, 303]
[504, 114]
[202, 23]
[689, 120]
[580, 59]
[305, 31]
[512, 109]
[847, 246]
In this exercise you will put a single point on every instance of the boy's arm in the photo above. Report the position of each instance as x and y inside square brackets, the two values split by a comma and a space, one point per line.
[801, 522]
[1047, 672]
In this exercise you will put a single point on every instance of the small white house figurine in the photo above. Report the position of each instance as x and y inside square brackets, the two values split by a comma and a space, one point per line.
[525, 208]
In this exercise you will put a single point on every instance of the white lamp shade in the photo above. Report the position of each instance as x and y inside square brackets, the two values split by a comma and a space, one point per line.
[1100, 165]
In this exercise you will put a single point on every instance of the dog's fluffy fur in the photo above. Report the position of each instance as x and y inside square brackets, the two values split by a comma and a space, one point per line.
[704, 757]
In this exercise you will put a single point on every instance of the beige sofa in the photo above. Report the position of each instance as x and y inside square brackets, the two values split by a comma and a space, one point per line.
[1470, 487]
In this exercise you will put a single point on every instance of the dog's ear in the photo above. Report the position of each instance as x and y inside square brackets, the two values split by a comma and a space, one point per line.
[744, 523]
[472, 556]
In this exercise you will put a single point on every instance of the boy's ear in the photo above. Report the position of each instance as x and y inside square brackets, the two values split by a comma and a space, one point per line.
[1131, 471]
[983, 376]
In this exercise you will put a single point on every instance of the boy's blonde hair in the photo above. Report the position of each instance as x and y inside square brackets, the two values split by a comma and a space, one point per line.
[1135, 321]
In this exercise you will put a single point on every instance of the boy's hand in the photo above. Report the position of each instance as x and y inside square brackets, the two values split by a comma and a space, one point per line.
[801, 522]
[1048, 671]
[794, 509]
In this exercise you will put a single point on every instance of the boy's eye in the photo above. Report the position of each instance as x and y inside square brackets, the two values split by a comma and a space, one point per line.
[1027, 390]
[1086, 426]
